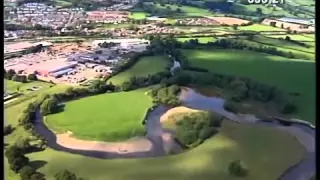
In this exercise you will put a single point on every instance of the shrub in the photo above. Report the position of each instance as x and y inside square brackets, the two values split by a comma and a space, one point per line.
[236, 168]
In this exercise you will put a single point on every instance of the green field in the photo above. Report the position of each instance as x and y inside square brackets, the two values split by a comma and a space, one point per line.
[259, 27]
[12, 86]
[288, 74]
[203, 40]
[144, 67]
[296, 37]
[106, 117]
[262, 149]
[138, 15]
[299, 52]
[185, 10]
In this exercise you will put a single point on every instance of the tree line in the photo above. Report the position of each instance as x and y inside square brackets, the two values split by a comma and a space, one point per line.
[12, 75]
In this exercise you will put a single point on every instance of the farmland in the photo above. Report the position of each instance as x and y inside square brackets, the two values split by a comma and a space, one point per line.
[103, 121]
[200, 39]
[259, 27]
[144, 67]
[138, 15]
[258, 67]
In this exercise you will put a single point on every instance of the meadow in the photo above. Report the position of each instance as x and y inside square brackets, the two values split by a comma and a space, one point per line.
[290, 75]
[138, 15]
[106, 117]
[298, 51]
[144, 67]
[260, 148]
[259, 27]
[203, 40]
[296, 37]
[185, 10]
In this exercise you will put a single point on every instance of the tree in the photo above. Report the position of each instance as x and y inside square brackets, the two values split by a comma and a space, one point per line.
[178, 10]
[234, 26]
[237, 168]
[32, 77]
[17, 163]
[65, 175]
[49, 105]
[287, 38]
[23, 79]
[26, 172]
[282, 26]
[13, 152]
[16, 78]
[10, 74]
[23, 144]
[259, 11]
[7, 129]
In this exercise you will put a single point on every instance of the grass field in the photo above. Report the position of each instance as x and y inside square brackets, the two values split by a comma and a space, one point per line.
[259, 27]
[144, 67]
[296, 37]
[288, 74]
[262, 149]
[300, 52]
[12, 86]
[138, 15]
[185, 10]
[200, 39]
[106, 117]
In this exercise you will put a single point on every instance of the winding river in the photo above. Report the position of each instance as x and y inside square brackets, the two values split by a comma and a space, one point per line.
[160, 140]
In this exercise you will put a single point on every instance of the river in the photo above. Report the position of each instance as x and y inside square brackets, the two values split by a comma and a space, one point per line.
[192, 99]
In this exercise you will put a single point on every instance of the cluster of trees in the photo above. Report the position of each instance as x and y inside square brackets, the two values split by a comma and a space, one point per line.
[237, 168]
[139, 82]
[19, 163]
[66, 175]
[106, 44]
[28, 116]
[196, 127]
[164, 94]
[96, 87]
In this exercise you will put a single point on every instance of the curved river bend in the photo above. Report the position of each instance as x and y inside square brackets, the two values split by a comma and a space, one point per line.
[158, 144]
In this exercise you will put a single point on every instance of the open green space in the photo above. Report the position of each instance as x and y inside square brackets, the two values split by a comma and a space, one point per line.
[259, 27]
[138, 15]
[296, 37]
[145, 66]
[108, 26]
[260, 148]
[181, 11]
[290, 75]
[62, 3]
[203, 40]
[299, 51]
[13, 86]
[106, 117]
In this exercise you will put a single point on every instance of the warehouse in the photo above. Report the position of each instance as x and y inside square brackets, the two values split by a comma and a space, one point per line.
[60, 73]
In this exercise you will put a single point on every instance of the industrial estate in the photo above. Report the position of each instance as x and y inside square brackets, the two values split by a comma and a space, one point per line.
[163, 90]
